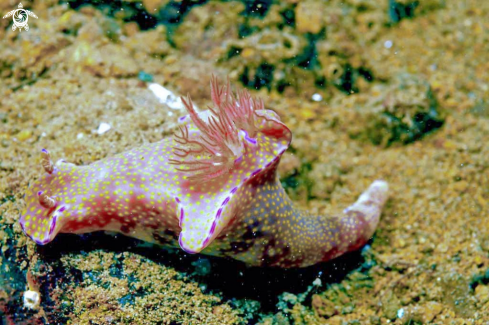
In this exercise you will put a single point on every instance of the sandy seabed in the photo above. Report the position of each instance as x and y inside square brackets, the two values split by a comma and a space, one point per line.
[368, 93]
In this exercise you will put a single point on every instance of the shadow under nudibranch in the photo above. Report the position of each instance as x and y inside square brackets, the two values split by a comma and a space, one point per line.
[230, 278]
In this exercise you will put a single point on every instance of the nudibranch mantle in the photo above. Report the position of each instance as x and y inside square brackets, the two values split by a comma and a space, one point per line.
[211, 188]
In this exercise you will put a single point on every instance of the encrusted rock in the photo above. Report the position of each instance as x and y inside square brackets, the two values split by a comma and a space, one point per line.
[401, 113]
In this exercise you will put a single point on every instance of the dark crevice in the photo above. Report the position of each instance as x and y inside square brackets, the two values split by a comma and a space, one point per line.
[263, 77]
[256, 8]
[399, 11]
[31, 81]
[169, 15]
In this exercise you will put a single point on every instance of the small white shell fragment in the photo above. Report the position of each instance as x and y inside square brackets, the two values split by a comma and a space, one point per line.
[103, 127]
[165, 96]
[317, 97]
[400, 313]
[32, 299]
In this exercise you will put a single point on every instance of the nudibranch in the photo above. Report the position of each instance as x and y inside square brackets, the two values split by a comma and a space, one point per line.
[211, 188]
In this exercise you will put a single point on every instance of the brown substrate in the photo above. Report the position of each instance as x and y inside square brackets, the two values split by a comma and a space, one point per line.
[427, 136]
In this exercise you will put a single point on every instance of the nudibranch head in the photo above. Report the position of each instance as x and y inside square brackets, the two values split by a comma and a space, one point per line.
[220, 153]
[44, 208]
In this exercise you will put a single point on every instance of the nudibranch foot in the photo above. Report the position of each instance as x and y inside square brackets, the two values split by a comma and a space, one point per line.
[212, 188]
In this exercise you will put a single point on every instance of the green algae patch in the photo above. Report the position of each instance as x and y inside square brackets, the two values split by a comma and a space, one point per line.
[402, 113]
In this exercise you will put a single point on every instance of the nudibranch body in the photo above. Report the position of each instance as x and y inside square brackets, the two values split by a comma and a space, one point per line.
[212, 188]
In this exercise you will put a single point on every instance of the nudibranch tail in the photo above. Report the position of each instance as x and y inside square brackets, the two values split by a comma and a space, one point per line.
[361, 218]
[371, 202]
